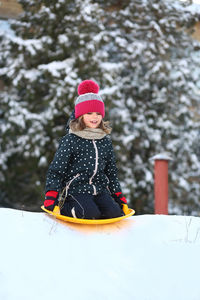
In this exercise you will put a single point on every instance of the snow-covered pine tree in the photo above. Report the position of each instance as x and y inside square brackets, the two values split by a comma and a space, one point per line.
[57, 45]
[156, 97]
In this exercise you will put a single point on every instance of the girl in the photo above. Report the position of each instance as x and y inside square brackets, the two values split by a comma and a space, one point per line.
[82, 178]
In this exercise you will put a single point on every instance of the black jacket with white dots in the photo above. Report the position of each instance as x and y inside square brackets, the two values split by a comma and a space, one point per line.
[83, 166]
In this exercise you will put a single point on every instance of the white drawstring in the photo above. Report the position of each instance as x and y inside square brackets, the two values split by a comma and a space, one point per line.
[61, 201]
[68, 185]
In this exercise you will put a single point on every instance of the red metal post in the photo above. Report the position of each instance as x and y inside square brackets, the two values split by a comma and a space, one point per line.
[161, 183]
[161, 186]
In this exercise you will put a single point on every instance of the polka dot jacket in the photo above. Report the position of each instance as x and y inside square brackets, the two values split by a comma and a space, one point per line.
[83, 166]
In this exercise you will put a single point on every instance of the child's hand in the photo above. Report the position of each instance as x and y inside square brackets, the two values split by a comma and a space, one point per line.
[120, 199]
[51, 199]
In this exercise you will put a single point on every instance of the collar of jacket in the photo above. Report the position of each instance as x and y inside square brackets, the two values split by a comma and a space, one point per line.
[89, 133]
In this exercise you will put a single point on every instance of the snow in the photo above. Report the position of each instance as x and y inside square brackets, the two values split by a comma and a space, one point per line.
[149, 78]
[144, 257]
[55, 66]
[162, 156]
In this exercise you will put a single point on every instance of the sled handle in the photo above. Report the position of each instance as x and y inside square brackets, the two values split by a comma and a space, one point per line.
[56, 210]
[125, 209]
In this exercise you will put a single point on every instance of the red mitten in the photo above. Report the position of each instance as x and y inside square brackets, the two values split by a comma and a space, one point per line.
[120, 199]
[51, 199]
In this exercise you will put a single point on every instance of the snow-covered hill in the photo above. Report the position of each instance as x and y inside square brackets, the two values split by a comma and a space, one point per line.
[149, 257]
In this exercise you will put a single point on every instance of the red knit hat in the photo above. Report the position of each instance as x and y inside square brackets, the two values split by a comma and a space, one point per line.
[89, 100]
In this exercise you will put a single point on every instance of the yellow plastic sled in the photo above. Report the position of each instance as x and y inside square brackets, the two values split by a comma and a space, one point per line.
[56, 213]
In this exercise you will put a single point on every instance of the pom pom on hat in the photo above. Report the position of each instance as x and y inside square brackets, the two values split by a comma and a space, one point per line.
[88, 86]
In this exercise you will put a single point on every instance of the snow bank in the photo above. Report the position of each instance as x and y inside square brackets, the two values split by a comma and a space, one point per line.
[150, 257]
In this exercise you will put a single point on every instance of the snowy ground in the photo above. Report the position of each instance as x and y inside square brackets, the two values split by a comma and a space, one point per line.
[149, 257]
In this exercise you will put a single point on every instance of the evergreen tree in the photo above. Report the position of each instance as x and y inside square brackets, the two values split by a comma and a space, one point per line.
[55, 47]
[157, 88]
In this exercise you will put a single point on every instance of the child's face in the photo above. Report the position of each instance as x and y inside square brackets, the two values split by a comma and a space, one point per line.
[92, 119]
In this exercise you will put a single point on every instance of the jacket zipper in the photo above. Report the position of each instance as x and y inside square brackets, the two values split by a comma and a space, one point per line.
[96, 166]
[108, 184]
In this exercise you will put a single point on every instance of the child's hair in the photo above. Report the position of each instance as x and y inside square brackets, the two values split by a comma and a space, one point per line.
[78, 124]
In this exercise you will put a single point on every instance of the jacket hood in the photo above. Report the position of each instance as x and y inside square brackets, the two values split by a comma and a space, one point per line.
[72, 116]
